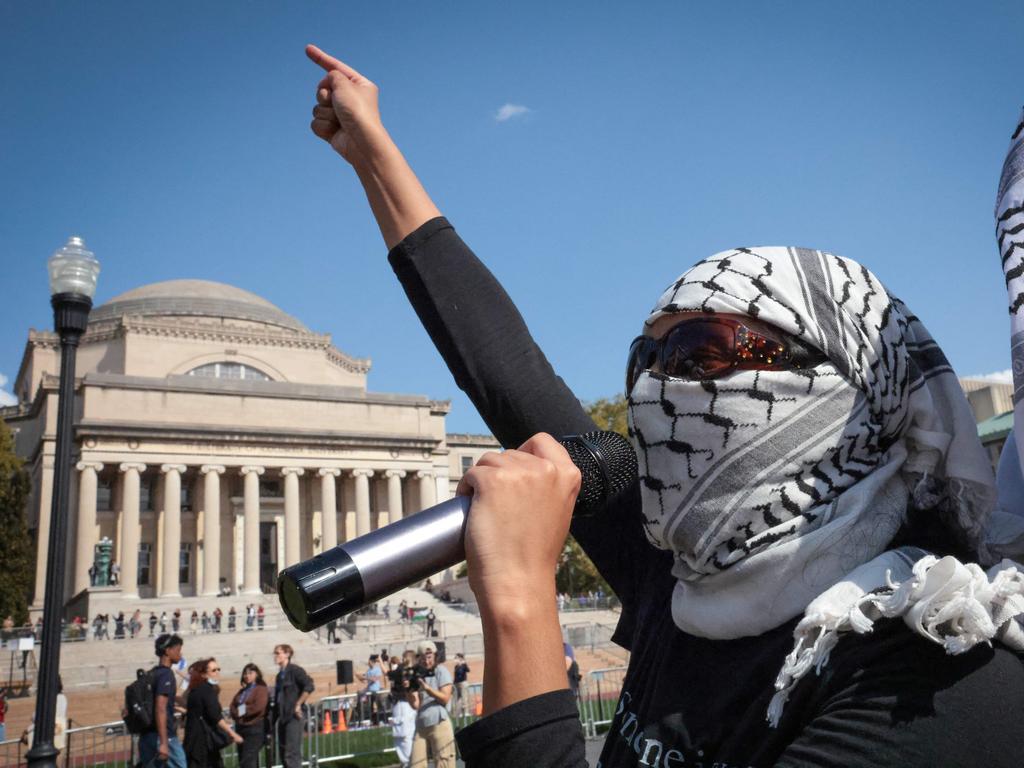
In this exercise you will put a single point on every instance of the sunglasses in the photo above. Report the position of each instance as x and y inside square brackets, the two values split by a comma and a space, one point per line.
[711, 347]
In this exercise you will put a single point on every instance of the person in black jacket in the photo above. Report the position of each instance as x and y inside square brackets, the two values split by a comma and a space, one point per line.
[723, 665]
[203, 717]
[291, 689]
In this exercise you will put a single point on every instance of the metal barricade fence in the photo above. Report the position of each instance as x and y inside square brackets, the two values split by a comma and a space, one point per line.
[599, 696]
[589, 634]
[109, 745]
[11, 751]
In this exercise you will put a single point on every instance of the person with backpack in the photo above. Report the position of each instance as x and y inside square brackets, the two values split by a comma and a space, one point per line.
[149, 705]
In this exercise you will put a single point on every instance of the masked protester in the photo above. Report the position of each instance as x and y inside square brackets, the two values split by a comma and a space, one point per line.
[798, 560]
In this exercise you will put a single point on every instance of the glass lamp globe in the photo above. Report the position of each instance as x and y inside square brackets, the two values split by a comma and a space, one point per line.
[73, 269]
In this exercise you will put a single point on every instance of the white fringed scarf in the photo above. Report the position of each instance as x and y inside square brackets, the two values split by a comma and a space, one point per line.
[779, 491]
[955, 604]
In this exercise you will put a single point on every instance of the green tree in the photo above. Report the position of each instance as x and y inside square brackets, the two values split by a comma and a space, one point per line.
[609, 413]
[576, 573]
[15, 544]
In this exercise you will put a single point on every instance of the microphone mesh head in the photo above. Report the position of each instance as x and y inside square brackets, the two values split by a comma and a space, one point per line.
[607, 464]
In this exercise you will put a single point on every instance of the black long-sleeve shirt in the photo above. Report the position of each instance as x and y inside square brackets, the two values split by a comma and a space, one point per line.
[885, 699]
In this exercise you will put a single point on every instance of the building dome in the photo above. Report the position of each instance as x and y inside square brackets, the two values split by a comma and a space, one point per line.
[194, 298]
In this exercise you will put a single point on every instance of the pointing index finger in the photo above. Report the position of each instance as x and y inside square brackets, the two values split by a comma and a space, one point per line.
[329, 62]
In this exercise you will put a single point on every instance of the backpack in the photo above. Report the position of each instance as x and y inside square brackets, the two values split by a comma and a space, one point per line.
[140, 702]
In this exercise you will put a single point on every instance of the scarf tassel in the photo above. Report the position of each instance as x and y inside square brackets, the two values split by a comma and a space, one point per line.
[955, 605]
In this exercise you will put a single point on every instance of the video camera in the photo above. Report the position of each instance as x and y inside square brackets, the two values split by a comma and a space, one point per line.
[413, 675]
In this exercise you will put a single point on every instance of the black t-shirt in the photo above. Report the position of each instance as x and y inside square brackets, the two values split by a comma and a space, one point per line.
[164, 684]
[888, 698]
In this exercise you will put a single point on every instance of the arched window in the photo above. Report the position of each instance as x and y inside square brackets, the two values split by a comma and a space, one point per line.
[227, 370]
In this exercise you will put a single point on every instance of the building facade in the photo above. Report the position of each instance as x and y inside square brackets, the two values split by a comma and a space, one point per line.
[992, 405]
[218, 440]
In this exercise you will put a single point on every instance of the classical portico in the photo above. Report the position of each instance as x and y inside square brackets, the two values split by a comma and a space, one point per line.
[303, 509]
[218, 440]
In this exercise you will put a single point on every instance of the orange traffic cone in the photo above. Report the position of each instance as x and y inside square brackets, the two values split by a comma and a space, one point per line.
[327, 723]
[341, 722]
[478, 708]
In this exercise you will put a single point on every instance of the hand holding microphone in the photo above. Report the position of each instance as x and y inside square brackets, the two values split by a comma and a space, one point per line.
[522, 503]
[521, 507]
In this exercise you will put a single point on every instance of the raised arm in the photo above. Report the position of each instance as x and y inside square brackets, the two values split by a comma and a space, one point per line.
[347, 117]
[470, 318]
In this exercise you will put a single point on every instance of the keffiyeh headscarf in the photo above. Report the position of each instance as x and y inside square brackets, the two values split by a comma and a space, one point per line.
[1010, 238]
[773, 488]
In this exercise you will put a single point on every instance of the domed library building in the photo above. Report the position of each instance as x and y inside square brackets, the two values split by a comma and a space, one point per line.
[217, 440]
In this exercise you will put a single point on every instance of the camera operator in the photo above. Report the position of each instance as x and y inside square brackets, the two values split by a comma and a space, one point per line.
[433, 723]
[405, 700]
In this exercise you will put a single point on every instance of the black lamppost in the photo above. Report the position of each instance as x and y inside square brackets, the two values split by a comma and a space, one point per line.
[73, 272]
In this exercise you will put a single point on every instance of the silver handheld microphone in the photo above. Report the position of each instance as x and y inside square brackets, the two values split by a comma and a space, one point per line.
[364, 570]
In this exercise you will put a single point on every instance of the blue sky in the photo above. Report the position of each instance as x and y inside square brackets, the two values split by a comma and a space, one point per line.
[636, 139]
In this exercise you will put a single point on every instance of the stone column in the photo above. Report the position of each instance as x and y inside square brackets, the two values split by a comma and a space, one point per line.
[130, 532]
[362, 478]
[251, 558]
[394, 477]
[292, 546]
[86, 522]
[329, 507]
[428, 489]
[170, 555]
[211, 528]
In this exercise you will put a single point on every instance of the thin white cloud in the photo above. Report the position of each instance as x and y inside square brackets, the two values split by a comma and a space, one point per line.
[508, 111]
[6, 398]
[997, 377]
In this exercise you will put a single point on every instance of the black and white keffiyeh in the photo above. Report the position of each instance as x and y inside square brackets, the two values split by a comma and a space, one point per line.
[778, 492]
[1010, 237]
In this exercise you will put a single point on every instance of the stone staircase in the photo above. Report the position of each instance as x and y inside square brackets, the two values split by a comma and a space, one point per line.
[112, 663]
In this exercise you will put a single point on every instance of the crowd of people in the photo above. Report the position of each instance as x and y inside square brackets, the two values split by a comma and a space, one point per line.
[119, 626]
[413, 692]
[192, 691]
[422, 695]
[591, 599]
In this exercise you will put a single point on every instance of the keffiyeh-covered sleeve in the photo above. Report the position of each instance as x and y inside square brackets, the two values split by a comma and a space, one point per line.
[1007, 529]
